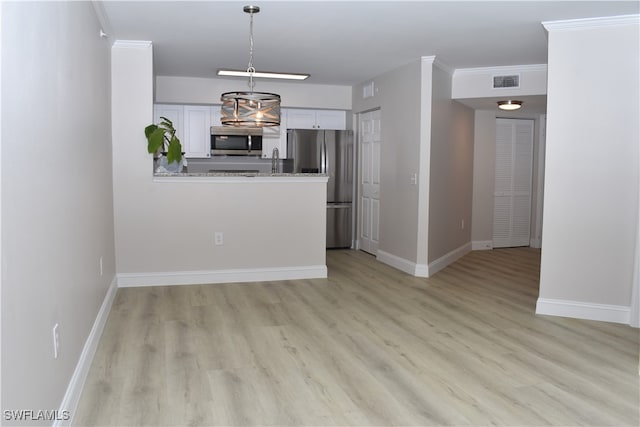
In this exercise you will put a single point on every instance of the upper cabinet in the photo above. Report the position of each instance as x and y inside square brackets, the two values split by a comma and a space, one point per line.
[316, 119]
[197, 131]
[192, 124]
[275, 137]
[217, 115]
[175, 113]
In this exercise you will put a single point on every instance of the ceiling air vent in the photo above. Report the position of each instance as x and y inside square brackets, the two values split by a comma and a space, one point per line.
[500, 82]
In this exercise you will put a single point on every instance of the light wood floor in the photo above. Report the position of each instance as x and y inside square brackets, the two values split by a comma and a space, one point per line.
[368, 346]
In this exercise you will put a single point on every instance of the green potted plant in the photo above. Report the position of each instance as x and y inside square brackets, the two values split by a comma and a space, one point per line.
[162, 140]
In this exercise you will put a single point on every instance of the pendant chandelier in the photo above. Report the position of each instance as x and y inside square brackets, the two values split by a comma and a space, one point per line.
[250, 109]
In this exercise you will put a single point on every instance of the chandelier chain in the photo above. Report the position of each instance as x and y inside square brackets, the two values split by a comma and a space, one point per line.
[250, 68]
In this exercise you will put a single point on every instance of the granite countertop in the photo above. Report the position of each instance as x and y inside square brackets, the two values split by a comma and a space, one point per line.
[239, 174]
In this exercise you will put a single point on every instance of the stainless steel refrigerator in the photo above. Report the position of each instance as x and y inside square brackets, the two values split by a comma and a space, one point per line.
[330, 152]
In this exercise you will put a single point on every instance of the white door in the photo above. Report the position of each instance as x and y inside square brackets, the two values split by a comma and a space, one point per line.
[369, 191]
[512, 192]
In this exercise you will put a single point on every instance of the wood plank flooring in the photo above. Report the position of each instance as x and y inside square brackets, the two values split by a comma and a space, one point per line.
[369, 346]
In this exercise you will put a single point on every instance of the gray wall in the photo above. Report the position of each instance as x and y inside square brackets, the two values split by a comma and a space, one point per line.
[398, 96]
[451, 170]
[484, 164]
[423, 132]
[57, 212]
[591, 177]
[193, 90]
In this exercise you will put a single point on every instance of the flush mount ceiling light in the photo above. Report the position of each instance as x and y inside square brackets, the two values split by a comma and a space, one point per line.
[264, 75]
[509, 105]
[250, 109]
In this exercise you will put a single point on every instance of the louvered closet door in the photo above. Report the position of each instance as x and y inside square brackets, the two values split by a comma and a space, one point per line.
[512, 196]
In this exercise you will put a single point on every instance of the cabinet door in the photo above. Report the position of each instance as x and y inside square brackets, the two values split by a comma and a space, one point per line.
[174, 113]
[331, 119]
[301, 119]
[282, 140]
[197, 131]
[216, 115]
[316, 119]
[268, 144]
[275, 137]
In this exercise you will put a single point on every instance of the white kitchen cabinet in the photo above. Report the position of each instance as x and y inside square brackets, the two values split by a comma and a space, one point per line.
[192, 124]
[216, 115]
[331, 119]
[301, 119]
[175, 113]
[275, 137]
[316, 119]
[197, 131]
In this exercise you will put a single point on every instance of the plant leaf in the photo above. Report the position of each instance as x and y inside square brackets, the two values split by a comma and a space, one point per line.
[168, 124]
[155, 140]
[149, 130]
[174, 152]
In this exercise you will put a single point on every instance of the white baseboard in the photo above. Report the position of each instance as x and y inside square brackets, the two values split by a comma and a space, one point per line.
[221, 276]
[584, 310]
[409, 267]
[423, 270]
[481, 245]
[74, 389]
[449, 258]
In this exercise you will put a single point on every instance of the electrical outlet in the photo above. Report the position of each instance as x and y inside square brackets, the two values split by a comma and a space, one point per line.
[462, 224]
[218, 238]
[56, 341]
[101, 271]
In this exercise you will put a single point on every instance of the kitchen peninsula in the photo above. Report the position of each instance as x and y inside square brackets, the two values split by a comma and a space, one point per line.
[213, 227]
[197, 228]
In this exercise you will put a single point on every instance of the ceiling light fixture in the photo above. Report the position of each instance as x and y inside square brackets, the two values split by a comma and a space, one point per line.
[509, 105]
[250, 109]
[263, 74]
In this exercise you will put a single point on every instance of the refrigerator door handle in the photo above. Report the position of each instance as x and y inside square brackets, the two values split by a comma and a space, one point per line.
[326, 158]
[323, 157]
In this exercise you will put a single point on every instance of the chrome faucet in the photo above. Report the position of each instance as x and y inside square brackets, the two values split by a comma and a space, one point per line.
[275, 156]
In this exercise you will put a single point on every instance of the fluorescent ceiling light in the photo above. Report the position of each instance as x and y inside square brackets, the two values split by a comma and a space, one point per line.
[286, 76]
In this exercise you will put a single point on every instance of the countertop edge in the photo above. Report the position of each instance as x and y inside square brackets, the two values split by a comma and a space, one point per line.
[240, 177]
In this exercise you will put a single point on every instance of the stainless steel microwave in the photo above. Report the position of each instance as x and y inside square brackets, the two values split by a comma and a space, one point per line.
[231, 141]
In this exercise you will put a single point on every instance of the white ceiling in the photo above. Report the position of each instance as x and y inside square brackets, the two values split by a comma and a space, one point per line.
[344, 42]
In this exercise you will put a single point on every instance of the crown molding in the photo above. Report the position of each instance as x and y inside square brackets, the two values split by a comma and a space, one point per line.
[508, 69]
[444, 67]
[590, 23]
[428, 59]
[132, 44]
[435, 62]
[98, 7]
